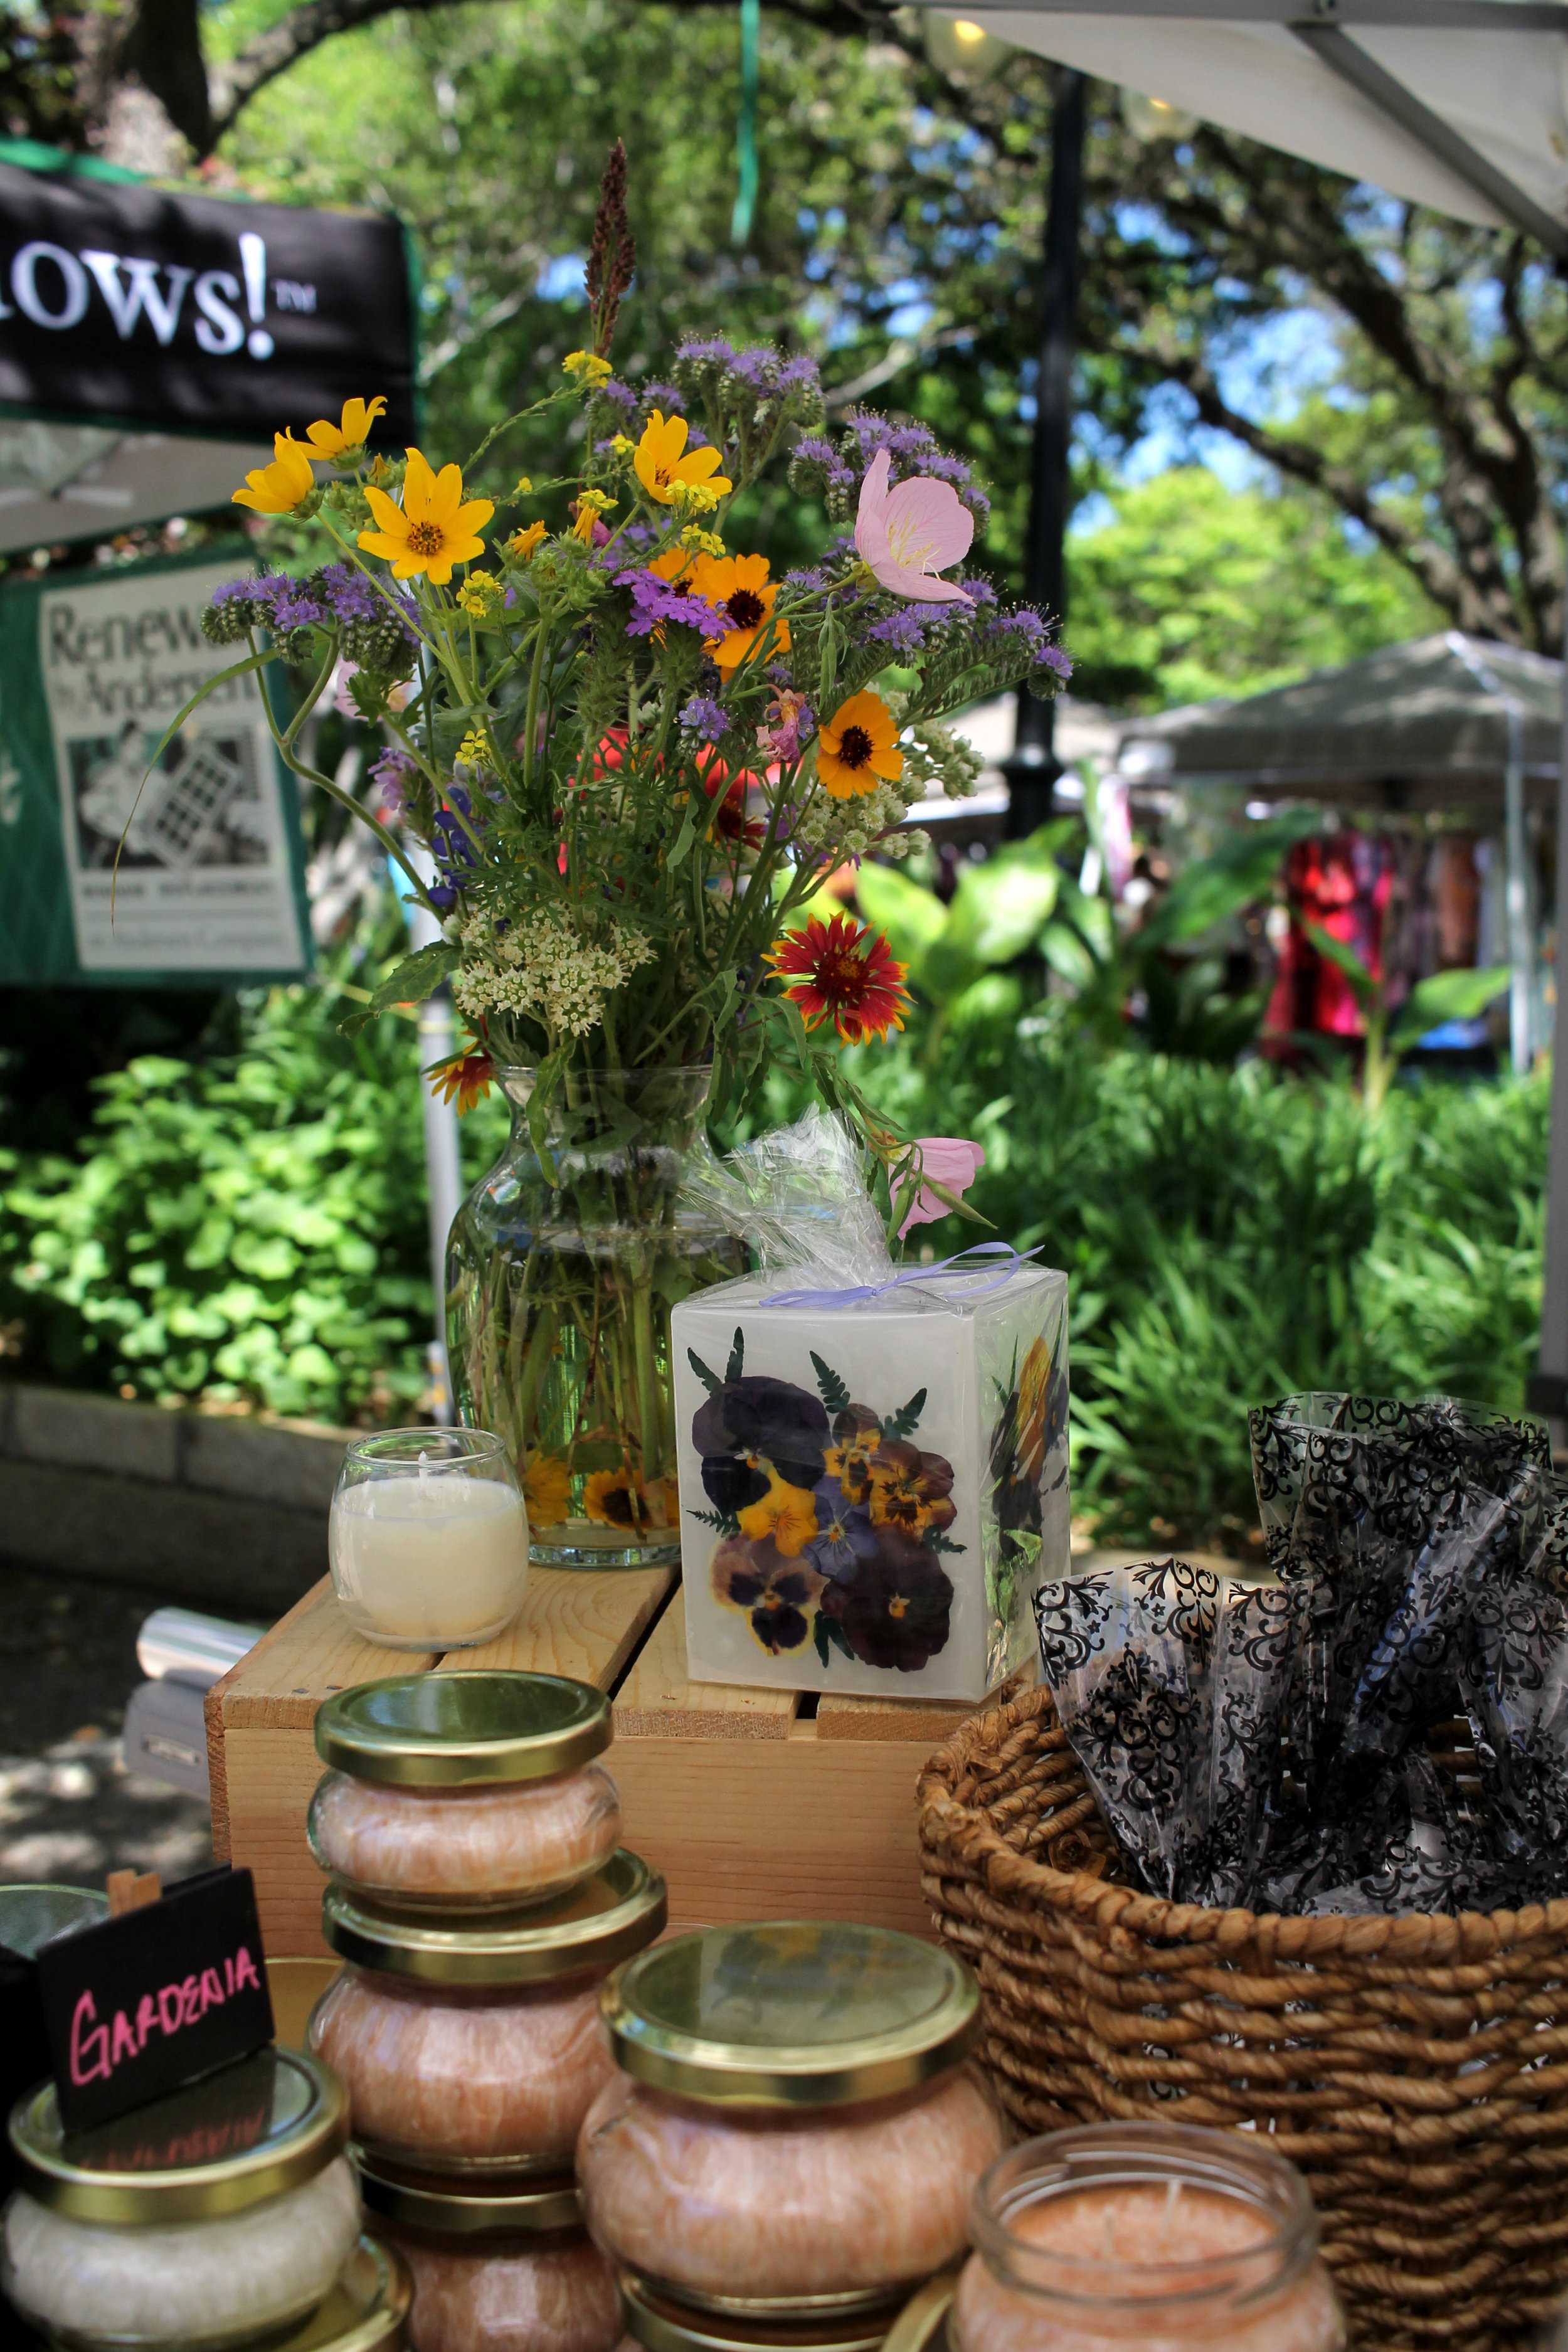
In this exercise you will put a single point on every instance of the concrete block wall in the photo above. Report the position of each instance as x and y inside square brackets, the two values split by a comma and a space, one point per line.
[223, 1514]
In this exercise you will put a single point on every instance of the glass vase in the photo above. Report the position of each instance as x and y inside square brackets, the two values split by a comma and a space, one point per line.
[562, 1268]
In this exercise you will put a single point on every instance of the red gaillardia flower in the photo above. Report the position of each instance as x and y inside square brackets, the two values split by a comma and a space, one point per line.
[844, 970]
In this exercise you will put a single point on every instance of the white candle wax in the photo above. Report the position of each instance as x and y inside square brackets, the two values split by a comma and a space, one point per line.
[429, 1559]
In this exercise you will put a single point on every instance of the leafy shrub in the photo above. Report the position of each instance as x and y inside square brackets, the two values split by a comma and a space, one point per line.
[1232, 1234]
[249, 1229]
[254, 1229]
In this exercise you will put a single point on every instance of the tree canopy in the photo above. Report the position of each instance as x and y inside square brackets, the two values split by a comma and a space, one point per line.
[909, 205]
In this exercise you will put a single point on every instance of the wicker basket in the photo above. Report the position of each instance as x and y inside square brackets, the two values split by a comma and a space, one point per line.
[1415, 2066]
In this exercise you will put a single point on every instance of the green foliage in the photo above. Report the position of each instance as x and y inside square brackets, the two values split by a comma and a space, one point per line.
[254, 1229]
[250, 1229]
[1189, 590]
[1232, 1234]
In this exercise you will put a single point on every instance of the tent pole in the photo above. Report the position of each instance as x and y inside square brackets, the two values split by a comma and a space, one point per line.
[1549, 1389]
[1032, 767]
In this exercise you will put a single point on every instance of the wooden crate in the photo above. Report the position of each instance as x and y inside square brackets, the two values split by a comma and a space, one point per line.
[755, 1804]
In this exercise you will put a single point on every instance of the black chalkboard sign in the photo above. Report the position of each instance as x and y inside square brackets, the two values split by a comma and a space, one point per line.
[137, 2006]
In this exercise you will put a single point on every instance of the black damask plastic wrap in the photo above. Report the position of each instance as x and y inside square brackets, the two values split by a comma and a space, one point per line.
[1271, 1744]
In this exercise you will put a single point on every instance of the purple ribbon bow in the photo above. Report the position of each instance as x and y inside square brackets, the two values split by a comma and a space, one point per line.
[947, 1269]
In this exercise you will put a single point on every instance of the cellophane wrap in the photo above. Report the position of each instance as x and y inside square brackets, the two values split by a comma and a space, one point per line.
[798, 1197]
[1281, 1743]
[873, 1474]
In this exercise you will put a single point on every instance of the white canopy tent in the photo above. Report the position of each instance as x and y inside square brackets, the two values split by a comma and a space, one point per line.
[1459, 104]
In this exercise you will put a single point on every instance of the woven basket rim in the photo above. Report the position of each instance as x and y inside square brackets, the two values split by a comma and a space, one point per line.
[1405, 1936]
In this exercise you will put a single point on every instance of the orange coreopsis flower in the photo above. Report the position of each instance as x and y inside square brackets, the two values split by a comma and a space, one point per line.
[738, 586]
[858, 748]
[845, 971]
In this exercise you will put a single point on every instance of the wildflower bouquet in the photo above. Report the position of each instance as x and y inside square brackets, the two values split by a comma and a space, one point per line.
[621, 756]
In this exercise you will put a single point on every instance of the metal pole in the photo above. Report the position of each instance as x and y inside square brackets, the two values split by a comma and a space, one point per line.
[443, 1162]
[1032, 767]
[1549, 1389]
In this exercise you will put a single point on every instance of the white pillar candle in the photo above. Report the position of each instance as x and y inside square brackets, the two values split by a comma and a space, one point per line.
[429, 1561]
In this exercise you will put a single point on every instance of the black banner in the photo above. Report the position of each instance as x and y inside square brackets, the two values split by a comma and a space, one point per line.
[137, 306]
[136, 2006]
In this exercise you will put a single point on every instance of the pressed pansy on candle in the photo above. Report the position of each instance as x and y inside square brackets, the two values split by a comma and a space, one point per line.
[628, 746]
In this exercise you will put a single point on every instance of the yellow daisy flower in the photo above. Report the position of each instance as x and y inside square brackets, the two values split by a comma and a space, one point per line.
[277, 488]
[433, 529]
[611, 1498]
[330, 441]
[521, 543]
[740, 587]
[786, 1513]
[663, 461]
[547, 1490]
[858, 748]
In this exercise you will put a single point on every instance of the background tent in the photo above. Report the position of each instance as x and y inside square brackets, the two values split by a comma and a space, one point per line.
[1446, 724]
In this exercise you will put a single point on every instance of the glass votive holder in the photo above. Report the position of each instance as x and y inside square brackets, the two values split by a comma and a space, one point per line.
[1144, 2238]
[428, 1539]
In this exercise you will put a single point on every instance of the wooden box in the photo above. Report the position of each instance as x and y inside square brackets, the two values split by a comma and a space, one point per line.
[755, 1804]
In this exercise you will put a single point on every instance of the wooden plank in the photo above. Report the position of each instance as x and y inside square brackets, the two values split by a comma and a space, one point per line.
[933, 1720]
[584, 1622]
[930, 1720]
[311, 1651]
[657, 1698]
[271, 1771]
[792, 1828]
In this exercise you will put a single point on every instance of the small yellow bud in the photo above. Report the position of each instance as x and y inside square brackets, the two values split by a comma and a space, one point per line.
[693, 498]
[524, 487]
[587, 367]
[707, 542]
[522, 543]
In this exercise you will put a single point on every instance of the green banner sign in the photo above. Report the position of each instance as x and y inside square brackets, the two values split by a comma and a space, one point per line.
[210, 888]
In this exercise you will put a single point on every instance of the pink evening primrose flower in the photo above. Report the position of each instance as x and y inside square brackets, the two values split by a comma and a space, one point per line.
[909, 534]
[950, 1161]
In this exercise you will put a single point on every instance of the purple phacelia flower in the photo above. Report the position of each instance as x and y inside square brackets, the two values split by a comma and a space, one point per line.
[657, 601]
[1058, 659]
[809, 577]
[622, 395]
[815, 449]
[699, 348]
[704, 718]
[350, 593]
[978, 591]
[905, 630]
[799, 370]
[394, 774]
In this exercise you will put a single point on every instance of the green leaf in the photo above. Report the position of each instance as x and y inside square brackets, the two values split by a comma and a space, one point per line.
[1363, 987]
[733, 1369]
[913, 918]
[836, 1635]
[935, 1541]
[1241, 870]
[1446, 996]
[724, 1523]
[710, 1381]
[835, 1395]
[999, 907]
[417, 977]
[908, 1416]
[819, 1635]
[681, 846]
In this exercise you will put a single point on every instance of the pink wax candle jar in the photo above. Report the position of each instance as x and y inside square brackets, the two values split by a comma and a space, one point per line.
[507, 2267]
[794, 2127]
[464, 1791]
[480, 2047]
[1158, 2236]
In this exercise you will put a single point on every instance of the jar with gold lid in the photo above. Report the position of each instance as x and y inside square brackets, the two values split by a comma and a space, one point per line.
[793, 2128]
[211, 2218]
[1145, 2238]
[464, 1791]
[479, 2048]
[504, 2267]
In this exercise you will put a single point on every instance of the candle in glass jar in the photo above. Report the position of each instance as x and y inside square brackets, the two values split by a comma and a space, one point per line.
[429, 1560]
[1161, 2236]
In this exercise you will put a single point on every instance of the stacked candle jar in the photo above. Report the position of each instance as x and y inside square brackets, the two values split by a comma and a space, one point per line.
[790, 2143]
[480, 1901]
[219, 2215]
